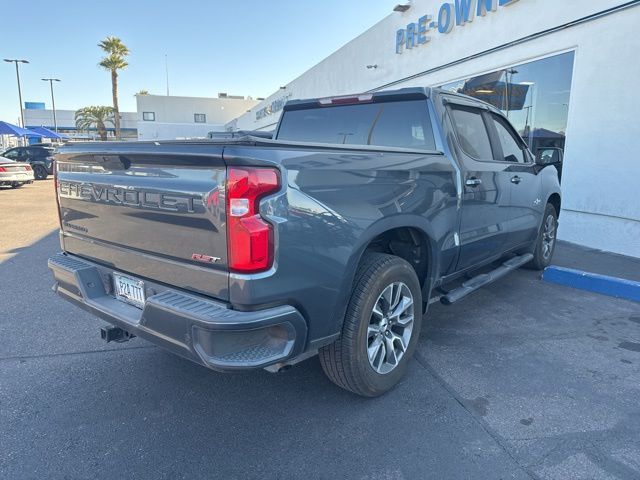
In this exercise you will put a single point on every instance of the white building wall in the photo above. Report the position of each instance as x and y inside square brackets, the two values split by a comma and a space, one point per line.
[600, 204]
[66, 119]
[174, 116]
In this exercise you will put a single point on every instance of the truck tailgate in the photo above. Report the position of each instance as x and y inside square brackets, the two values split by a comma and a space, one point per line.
[154, 211]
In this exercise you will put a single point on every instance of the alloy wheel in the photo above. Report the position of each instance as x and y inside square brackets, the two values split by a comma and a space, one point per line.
[548, 236]
[390, 327]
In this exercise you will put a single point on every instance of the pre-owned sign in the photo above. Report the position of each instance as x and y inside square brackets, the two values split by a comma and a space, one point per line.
[450, 14]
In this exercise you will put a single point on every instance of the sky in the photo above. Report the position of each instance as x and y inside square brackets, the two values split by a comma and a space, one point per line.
[242, 47]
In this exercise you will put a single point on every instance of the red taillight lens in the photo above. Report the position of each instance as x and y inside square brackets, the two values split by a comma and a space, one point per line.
[27, 167]
[2, 169]
[249, 237]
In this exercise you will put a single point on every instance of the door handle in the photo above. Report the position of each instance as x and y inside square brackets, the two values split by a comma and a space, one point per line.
[516, 179]
[473, 182]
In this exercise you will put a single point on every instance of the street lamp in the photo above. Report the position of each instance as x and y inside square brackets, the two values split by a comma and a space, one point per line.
[53, 100]
[17, 61]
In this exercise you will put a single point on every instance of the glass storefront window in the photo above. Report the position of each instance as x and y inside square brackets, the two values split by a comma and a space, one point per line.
[534, 96]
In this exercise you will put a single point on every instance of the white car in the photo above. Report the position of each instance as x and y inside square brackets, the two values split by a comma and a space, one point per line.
[15, 174]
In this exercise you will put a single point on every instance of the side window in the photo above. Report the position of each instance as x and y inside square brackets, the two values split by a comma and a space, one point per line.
[472, 132]
[11, 154]
[511, 149]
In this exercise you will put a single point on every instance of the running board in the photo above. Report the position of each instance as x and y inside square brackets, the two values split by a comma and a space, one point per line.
[485, 279]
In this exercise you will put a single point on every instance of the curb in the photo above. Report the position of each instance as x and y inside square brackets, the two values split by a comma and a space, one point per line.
[593, 282]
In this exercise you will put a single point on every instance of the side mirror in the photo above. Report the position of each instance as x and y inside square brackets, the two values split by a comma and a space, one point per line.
[549, 156]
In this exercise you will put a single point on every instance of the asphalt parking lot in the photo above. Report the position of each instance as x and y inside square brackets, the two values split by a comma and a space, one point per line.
[523, 379]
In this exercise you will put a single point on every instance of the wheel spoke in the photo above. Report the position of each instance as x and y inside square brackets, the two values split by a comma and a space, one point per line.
[405, 321]
[377, 311]
[399, 341]
[392, 358]
[372, 331]
[387, 297]
[402, 307]
[382, 357]
[374, 348]
[397, 295]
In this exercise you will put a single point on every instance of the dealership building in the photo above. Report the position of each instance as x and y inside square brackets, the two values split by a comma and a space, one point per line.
[565, 73]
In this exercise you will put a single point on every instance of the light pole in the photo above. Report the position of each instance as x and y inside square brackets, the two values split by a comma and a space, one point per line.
[17, 61]
[53, 100]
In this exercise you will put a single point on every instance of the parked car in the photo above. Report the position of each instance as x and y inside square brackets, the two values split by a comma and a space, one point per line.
[15, 174]
[40, 158]
[332, 238]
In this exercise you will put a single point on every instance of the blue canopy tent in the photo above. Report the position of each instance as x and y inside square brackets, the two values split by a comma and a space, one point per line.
[46, 133]
[7, 128]
[12, 130]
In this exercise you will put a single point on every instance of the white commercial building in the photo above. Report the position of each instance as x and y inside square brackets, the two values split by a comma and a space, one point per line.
[36, 115]
[565, 72]
[162, 117]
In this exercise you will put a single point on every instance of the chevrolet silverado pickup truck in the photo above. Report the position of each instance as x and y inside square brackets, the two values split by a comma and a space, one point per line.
[331, 238]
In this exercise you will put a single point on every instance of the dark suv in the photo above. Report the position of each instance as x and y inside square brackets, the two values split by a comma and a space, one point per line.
[40, 158]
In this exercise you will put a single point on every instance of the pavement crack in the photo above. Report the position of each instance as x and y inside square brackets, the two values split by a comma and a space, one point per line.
[68, 354]
[422, 361]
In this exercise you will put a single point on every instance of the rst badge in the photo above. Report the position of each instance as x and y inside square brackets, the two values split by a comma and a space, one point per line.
[199, 257]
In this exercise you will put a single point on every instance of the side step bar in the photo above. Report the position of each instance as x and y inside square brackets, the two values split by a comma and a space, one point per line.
[485, 279]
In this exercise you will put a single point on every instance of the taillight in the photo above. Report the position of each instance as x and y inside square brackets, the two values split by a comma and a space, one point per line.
[2, 169]
[249, 237]
[27, 168]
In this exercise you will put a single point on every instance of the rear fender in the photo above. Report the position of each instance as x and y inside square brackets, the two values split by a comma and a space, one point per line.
[383, 225]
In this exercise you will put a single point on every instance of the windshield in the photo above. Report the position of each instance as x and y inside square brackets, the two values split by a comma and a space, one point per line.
[389, 124]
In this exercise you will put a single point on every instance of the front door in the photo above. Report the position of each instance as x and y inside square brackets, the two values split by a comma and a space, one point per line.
[527, 206]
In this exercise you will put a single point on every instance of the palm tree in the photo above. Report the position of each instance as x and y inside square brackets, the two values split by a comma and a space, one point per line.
[114, 60]
[142, 92]
[99, 116]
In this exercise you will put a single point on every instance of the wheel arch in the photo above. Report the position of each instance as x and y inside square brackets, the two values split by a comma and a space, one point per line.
[420, 232]
[555, 200]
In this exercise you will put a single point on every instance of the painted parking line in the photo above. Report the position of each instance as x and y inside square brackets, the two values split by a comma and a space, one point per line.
[593, 282]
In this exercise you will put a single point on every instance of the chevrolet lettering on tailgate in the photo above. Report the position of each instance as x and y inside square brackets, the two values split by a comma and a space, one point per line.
[125, 196]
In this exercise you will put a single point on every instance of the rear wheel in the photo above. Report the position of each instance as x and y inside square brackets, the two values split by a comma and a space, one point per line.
[546, 242]
[380, 330]
[40, 173]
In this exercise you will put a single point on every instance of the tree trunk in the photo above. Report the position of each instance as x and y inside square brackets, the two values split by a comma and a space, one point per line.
[116, 110]
[102, 130]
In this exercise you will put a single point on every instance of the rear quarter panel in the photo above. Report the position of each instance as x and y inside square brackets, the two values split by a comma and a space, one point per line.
[332, 204]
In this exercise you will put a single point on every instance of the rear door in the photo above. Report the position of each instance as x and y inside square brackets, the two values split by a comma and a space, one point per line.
[154, 211]
[486, 187]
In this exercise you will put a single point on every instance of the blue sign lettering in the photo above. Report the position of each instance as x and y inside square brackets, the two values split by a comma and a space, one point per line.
[485, 6]
[445, 18]
[423, 28]
[450, 15]
[465, 11]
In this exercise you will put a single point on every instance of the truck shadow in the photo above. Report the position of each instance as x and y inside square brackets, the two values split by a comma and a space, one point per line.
[97, 410]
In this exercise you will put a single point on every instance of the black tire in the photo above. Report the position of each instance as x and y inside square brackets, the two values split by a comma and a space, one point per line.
[542, 254]
[40, 173]
[346, 361]
[16, 185]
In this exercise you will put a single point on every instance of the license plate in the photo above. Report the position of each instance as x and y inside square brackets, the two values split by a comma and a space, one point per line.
[129, 290]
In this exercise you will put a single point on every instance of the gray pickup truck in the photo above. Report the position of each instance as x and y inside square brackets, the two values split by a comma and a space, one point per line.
[332, 238]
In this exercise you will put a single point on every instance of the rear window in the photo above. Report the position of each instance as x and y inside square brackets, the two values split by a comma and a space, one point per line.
[389, 124]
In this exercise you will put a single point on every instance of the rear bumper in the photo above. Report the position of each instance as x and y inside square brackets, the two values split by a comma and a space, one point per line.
[11, 177]
[205, 331]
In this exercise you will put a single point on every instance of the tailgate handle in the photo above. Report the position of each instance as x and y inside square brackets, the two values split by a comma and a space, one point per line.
[112, 162]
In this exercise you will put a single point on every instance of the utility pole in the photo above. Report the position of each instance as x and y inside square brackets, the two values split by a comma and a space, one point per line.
[166, 69]
[53, 100]
[17, 61]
